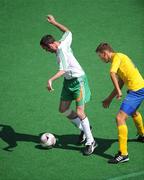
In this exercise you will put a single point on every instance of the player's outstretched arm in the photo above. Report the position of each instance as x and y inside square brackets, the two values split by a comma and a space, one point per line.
[52, 20]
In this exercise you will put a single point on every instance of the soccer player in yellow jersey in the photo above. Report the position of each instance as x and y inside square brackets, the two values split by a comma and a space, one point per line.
[123, 71]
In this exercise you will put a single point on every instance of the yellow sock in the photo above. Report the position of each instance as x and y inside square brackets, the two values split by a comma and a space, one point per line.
[139, 123]
[122, 137]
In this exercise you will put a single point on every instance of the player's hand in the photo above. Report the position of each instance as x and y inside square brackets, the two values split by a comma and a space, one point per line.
[49, 86]
[51, 19]
[119, 95]
[106, 103]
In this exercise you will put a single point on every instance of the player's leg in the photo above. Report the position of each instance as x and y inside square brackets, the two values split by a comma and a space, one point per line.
[122, 155]
[90, 142]
[85, 124]
[65, 102]
[137, 118]
[128, 108]
[81, 93]
[65, 109]
[122, 132]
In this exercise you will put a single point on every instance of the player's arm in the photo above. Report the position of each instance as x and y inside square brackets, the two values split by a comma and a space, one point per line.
[116, 84]
[109, 99]
[52, 20]
[114, 92]
[56, 76]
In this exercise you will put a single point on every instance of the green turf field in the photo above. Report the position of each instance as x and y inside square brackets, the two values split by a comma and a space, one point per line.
[26, 107]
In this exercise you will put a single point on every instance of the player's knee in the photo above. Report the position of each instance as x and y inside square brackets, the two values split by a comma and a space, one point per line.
[80, 114]
[135, 114]
[120, 119]
[62, 110]
[66, 112]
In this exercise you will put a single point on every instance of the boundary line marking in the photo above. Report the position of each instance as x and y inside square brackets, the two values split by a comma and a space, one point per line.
[127, 176]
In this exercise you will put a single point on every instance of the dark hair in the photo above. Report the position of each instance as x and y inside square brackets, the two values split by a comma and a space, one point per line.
[104, 46]
[46, 40]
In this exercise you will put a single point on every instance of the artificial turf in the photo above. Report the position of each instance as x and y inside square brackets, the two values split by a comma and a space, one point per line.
[26, 107]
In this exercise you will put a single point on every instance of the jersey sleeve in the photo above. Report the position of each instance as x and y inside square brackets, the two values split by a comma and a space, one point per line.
[63, 65]
[115, 64]
[67, 38]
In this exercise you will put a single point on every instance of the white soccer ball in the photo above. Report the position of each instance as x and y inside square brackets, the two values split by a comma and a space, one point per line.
[48, 140]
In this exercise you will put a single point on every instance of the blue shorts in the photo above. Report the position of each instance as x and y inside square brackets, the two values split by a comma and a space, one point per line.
[132, 101]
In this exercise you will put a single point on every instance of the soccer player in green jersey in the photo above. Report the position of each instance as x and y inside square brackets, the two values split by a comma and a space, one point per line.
[75, 86]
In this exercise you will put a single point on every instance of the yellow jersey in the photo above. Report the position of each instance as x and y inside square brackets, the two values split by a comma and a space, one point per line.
[126, 70]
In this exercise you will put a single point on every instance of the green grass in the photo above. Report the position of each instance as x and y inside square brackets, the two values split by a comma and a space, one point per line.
[27, 109]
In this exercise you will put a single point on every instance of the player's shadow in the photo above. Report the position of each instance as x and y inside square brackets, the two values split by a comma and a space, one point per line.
[8, 135]
[70, 142]
[67, 142]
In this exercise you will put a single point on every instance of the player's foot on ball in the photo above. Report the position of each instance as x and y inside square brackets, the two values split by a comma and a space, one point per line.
[140, 138]
[119, 159]
[82, 137]
[89, 149]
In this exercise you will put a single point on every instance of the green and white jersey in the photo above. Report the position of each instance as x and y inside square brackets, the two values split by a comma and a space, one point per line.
[66, 59]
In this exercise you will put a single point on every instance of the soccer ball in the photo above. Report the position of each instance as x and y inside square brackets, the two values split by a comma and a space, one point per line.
[48, 140]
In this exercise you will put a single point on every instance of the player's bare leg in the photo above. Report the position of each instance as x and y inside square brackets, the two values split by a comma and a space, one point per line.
[80, 120]
[64, 108]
